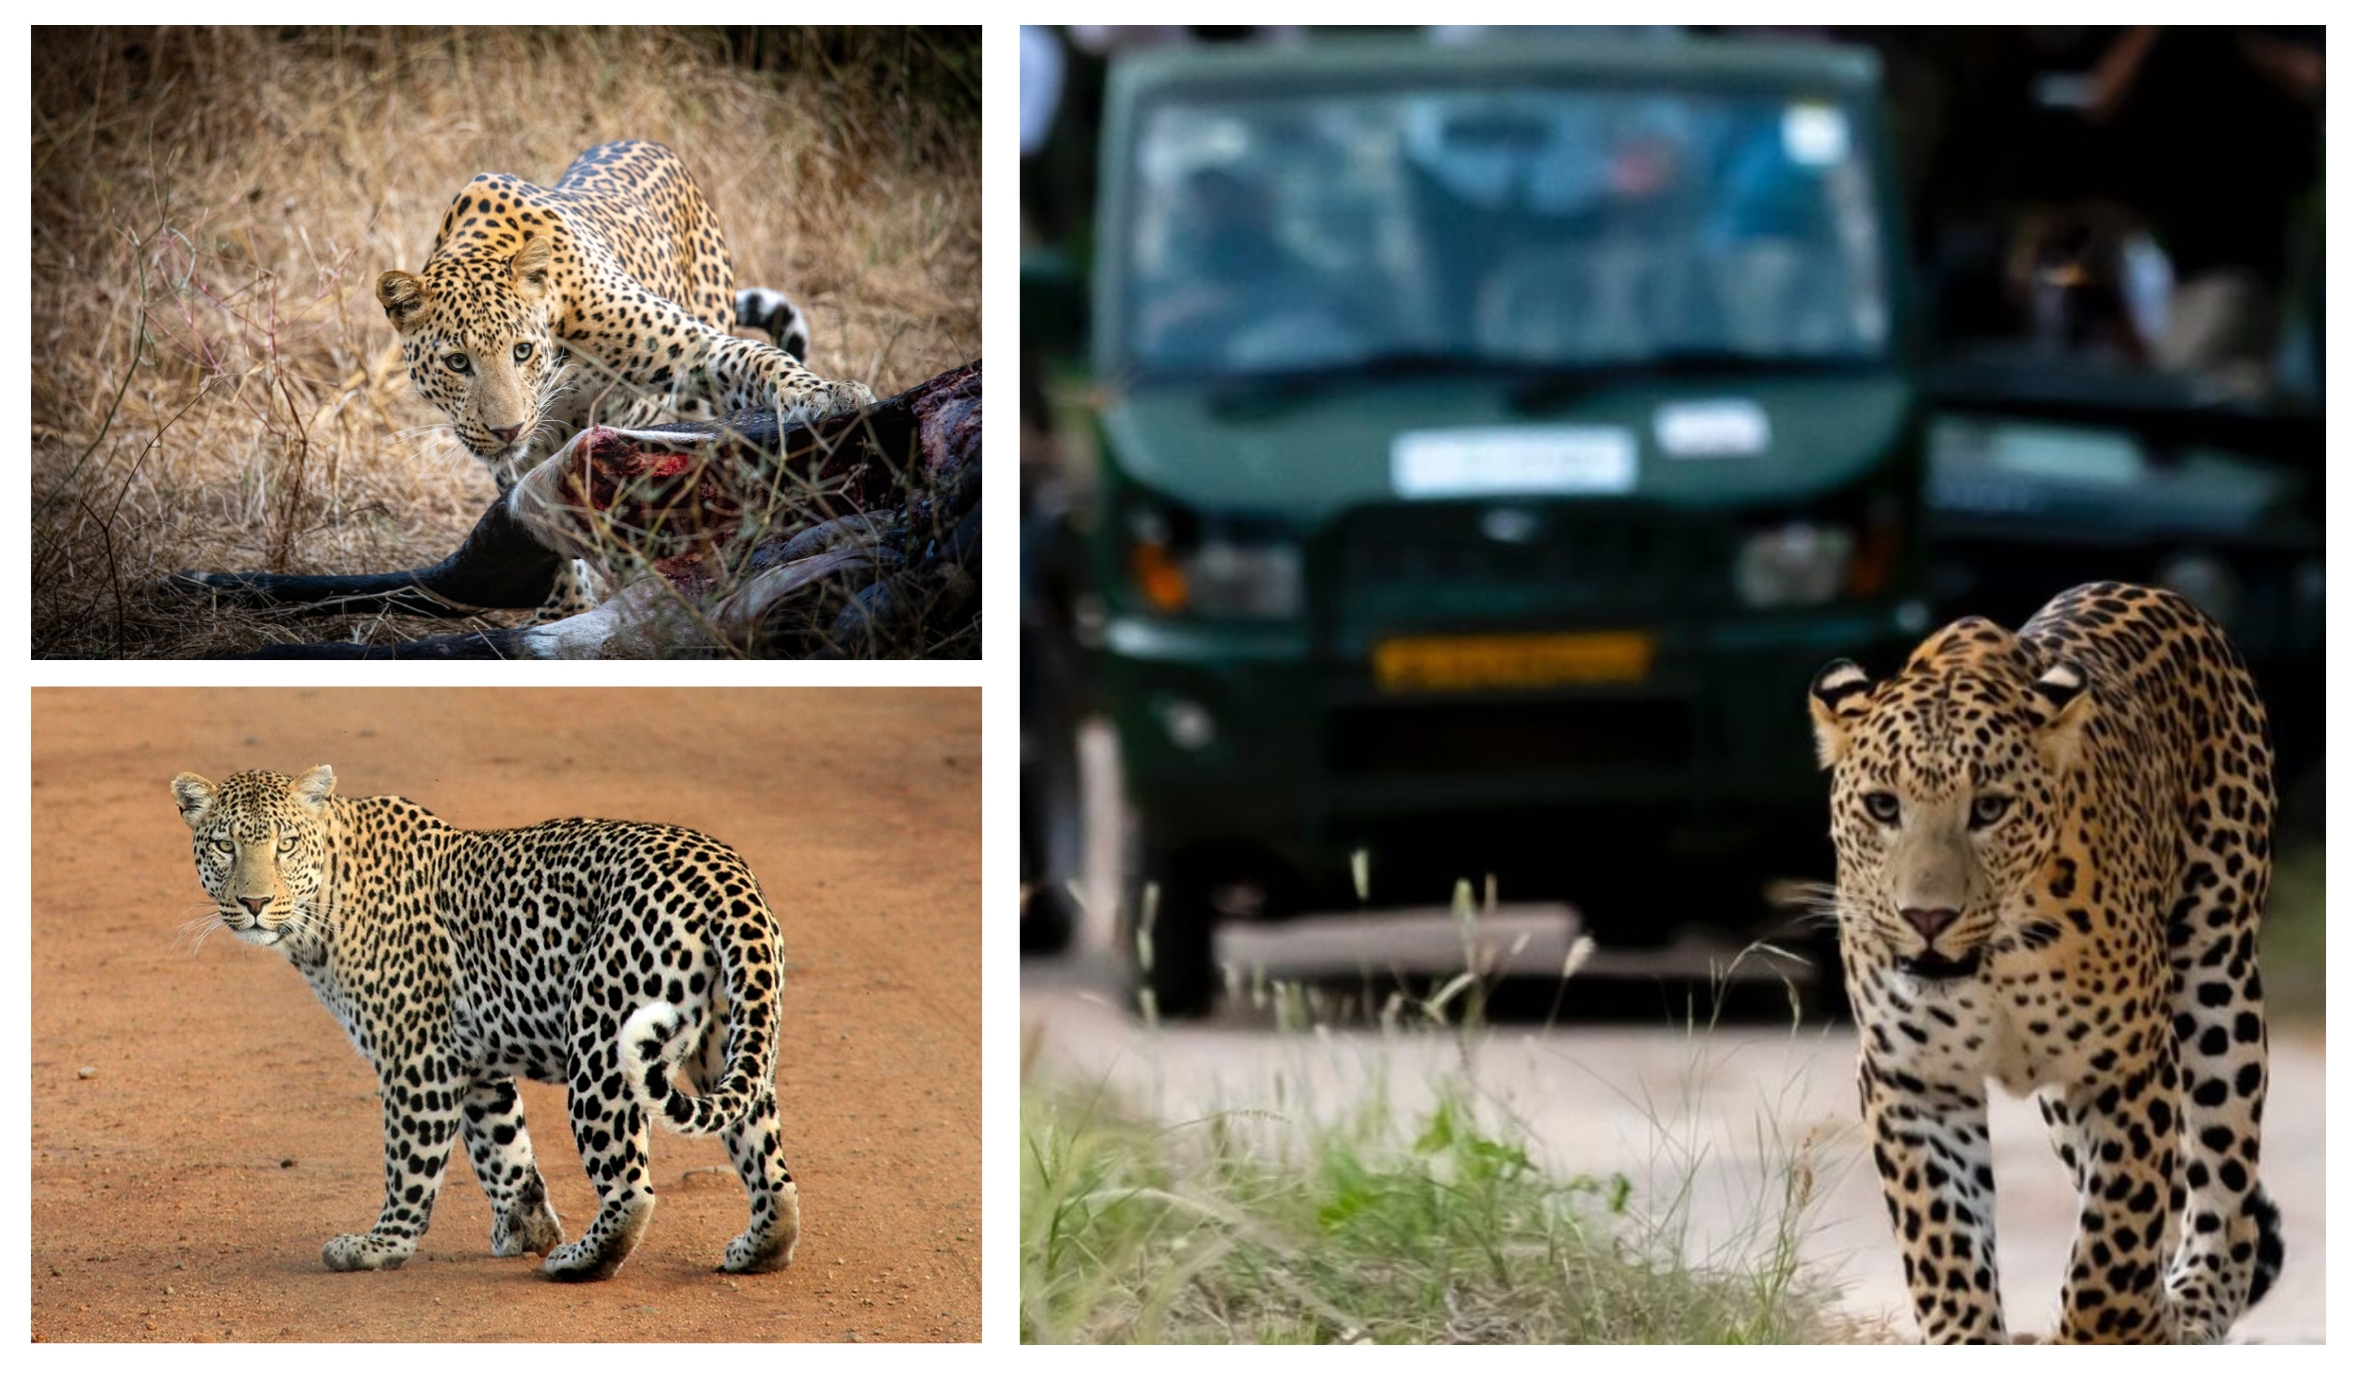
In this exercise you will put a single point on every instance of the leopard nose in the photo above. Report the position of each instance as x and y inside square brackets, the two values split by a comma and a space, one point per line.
[255, 905]
[1930, 921]
[508, 434]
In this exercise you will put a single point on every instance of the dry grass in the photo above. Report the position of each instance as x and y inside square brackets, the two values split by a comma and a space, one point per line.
[214, 385]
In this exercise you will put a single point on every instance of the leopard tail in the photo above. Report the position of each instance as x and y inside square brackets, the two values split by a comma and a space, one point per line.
[650, 1045]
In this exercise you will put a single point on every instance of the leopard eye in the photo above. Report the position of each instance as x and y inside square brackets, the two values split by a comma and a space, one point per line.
[1882, 807]
[218, 846]
[286, 843]
[457, 362]
[522, 351]
[1985, 811]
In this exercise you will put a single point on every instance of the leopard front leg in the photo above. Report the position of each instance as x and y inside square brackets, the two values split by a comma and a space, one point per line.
[2229, 1249]
[1937, 1172]
[420, 1117]
[2121, 1140]
[745, 374]
[521, 1218]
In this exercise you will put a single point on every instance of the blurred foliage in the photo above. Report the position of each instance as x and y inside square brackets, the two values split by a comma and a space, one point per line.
[2296, 974]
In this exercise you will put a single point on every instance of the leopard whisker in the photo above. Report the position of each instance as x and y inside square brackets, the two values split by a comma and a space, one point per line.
[1811, 905]
[196, 929]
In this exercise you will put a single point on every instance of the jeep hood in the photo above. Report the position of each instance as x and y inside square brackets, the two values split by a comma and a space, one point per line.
[1691, 442]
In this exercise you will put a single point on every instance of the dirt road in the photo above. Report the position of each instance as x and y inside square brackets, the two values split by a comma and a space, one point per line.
[200, 1127]
[1651, 1101]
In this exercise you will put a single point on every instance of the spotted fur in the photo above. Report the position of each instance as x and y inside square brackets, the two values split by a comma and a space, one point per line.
[606, 298]
[2054, 848]
[595, 954]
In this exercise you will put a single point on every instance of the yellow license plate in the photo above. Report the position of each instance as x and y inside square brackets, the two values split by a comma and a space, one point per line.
[1458, 663]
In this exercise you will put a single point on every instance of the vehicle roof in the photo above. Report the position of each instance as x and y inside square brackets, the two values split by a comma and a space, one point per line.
[1347, 61]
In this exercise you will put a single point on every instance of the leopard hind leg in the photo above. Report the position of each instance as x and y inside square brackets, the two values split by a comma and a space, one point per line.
[755, 1144]
[756, 1147]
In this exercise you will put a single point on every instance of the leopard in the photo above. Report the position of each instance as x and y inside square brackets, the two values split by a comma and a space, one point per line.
[2053, 849]
[607, 298]
[601, 955]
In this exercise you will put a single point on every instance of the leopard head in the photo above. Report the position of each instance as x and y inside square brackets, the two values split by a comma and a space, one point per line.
[475, 330]
[1950, 784]
[261, 849]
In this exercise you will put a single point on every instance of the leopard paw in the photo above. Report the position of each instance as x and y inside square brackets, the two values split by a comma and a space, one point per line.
[368, 1251]
[527, 1228]
[769, 1247]
[850, 396]
[606, 1244]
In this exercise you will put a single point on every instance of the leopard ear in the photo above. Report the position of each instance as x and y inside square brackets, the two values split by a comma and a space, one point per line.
[533, 267]
[1837, 700]
[195, 796]
[314, 788]
[403, 298]
[2061, 707]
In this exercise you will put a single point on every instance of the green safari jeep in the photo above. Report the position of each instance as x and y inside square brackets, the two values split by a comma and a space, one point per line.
[1494, 442]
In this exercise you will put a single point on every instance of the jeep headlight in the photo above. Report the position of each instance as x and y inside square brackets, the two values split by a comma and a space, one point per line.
[1190, 564]
[1801, 563]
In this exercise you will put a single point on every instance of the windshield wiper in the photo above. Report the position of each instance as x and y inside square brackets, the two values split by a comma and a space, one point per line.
[1547, 388]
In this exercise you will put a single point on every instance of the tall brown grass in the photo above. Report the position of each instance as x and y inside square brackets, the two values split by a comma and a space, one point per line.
[213, 383]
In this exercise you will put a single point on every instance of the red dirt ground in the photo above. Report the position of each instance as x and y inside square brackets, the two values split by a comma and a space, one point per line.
[226, 1129]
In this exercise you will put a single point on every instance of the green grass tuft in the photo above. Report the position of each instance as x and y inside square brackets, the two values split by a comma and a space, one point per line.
[1368, 1228]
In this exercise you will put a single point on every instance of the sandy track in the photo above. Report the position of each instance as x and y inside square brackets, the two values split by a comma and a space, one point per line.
[181, 1192]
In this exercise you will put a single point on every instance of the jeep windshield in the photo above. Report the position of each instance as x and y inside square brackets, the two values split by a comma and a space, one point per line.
[1531, 230]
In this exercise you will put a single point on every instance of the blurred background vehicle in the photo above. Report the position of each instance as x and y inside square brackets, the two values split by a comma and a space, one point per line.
[1450, 454]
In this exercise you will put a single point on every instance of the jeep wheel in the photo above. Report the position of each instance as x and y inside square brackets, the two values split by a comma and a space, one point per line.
[1047, 921]
[1175, 964]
